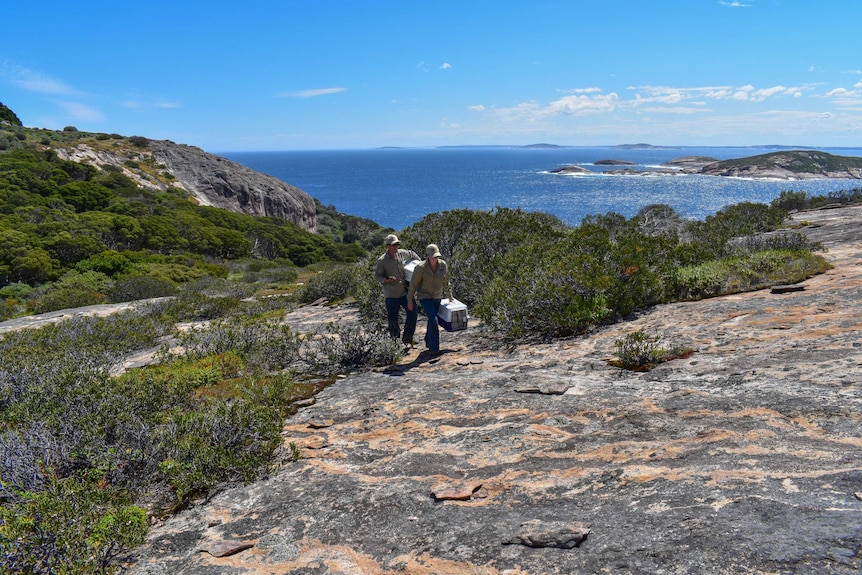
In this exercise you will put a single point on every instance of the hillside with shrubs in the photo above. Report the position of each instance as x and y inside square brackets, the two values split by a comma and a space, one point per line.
[89, 455]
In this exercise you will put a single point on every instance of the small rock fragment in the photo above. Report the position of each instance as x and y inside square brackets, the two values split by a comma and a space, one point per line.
[554, 388]
[556, 534]
[226, 548]
[787, 288]
[321, 424]
[449, 492]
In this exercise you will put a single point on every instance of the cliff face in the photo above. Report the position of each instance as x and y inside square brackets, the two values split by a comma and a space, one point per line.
[210, 179]
[215, 181]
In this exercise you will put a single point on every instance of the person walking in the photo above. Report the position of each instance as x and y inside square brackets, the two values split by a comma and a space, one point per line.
[389, 271]
[430, 283]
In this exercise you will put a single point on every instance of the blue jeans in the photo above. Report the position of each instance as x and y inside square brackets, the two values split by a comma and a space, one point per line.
[393, 304]
[432, 333]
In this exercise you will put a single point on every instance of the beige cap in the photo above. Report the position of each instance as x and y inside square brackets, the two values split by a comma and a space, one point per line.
[432, 251]
[392, 239]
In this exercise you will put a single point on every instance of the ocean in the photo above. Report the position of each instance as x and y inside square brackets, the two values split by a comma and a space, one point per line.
[396, 187]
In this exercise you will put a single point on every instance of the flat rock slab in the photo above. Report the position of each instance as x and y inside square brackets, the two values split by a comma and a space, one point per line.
[745, 458]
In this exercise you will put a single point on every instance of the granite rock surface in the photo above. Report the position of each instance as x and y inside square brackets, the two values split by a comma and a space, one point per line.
[745, 457]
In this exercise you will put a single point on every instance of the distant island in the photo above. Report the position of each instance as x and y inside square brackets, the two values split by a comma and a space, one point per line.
[782, 165]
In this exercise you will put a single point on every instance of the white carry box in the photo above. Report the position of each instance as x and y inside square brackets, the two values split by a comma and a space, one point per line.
[408, 270]
[452, 315]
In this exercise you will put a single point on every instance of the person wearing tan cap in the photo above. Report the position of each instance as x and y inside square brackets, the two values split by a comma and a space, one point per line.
[430, 283]
[389, 271]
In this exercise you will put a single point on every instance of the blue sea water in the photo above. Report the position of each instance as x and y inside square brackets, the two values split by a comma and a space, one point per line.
[396, 187]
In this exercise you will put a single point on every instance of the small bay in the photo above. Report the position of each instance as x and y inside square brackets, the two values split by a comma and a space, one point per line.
[396, 187]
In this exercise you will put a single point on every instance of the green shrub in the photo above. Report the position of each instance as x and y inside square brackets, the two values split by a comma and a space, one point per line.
[800, 200]
[368, 294]
[569, 285]
[333, 284]
[70, 527]
[65, 298]
[642, 351]
[756, 271]
[348, 348]
[265, 346]
[131, 288]
[474, 243]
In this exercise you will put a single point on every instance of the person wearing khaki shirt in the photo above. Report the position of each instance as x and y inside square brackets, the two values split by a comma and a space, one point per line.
[389, 271]
[430, 283]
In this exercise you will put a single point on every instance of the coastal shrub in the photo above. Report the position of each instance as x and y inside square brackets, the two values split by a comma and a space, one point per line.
[755, 271]
[368, 294]
[131, 288]
[585, 278]
[779, 240]
[474, 242]
[269, 274]
[73, 526]
[13, 300]
[345, 348]
[65, 298]
[800, 200]
[78, 448]
[109, 262]
[332, 284]
[658, 220]
[642, 351]
[264, 346]
[73, 289]
[708, 239]
[208, 298]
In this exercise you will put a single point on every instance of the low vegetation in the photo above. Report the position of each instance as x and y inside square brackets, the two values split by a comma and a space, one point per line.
[86, 456]
[642, 351]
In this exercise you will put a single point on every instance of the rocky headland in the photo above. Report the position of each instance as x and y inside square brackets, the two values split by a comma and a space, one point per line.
[541, 458]
[784, 165]
[211, 180]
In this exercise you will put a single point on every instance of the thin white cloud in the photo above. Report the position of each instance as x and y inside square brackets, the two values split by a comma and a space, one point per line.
[681, 110]
[138, 102]
[670, 95]
[81, 112]
[846, 99]
[583, 104]
[592, 90]
[477, 108]
[311, 93]
[835, 92]
[33, 81]
[735, 4]
[445, 66]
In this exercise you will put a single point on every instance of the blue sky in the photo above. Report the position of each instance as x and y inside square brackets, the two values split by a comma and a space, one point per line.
[323, 74]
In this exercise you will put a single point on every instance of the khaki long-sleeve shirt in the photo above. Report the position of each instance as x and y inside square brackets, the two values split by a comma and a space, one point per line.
[388, 266]
[427, 284]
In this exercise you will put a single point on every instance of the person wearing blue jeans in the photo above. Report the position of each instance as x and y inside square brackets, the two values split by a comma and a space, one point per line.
[430, 283]
[389, 271]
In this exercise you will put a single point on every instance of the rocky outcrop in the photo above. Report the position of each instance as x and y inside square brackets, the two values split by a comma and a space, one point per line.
[216, 181]
[690, 164]
[541, 458]
[789, 165]
[614, 163]
[567, 170]
[785, 165]
[211, 180]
